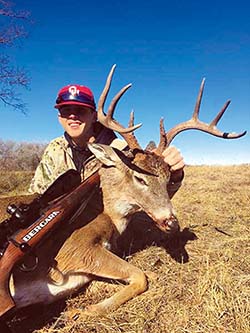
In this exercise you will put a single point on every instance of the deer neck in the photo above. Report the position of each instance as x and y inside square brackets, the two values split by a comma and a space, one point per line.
[115, 193]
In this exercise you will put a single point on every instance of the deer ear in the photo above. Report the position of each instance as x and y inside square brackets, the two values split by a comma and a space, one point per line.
[104, 153]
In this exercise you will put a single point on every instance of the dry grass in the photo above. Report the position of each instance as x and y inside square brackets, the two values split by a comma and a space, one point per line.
[200, 281]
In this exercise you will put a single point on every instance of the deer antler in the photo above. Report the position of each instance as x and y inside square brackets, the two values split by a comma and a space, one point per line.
[107, 119]
[195, 123]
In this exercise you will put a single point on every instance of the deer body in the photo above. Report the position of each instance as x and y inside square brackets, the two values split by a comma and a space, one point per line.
[127, 186]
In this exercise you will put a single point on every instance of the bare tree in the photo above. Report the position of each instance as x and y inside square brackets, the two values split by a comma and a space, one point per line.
[12, 30]
[20, 156]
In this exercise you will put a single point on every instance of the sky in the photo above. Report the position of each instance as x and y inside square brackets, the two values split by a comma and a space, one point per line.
[164, 48]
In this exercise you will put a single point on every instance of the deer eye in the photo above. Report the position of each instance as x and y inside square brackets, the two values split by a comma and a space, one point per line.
[141, 181]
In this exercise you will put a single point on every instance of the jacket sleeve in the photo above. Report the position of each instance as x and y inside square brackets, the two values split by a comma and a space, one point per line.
[44, 175]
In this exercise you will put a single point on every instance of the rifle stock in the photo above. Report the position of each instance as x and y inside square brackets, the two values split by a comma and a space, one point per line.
[11, 256]
[24, 240]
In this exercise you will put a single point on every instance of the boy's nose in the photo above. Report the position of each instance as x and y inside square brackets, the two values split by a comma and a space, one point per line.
[73, 115]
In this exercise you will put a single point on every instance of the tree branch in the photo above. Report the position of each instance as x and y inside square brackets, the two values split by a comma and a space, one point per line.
[12, 77]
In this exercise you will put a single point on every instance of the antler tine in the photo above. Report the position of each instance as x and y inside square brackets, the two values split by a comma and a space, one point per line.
[105, 92]
[131, 119]
[130, 137]
[115, 100]
[198, 101]
[220, 114]
[163, 139]
[196, 124]
[107, 119]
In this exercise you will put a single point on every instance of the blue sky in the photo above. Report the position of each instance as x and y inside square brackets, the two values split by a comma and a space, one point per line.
[164, 48]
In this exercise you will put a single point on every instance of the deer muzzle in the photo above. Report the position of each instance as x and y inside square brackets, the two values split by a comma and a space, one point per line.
[170, 224]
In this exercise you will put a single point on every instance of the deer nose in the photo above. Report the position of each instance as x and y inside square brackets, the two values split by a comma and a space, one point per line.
[173, 223]
[169, 224]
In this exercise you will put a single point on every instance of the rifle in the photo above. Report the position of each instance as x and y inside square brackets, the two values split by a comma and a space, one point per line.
[30, 224]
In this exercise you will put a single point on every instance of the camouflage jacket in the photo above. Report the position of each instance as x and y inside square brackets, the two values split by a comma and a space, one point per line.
[58, 158]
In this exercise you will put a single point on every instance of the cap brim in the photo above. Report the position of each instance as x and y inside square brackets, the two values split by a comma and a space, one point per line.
[58, 106]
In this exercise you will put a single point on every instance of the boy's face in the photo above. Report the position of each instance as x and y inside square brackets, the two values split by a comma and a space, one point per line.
[77, 121]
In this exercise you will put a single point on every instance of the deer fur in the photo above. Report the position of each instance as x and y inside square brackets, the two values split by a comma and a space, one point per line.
[78, 254]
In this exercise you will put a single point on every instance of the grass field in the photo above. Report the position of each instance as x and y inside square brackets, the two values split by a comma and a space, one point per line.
[199, 281]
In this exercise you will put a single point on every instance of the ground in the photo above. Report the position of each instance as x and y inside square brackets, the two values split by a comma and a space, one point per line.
[199, 280]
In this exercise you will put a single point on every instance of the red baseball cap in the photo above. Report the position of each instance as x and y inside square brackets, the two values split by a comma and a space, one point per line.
[75, 94]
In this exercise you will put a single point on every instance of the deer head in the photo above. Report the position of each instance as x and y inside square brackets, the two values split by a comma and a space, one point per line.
[133, 183]
[138, 180]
